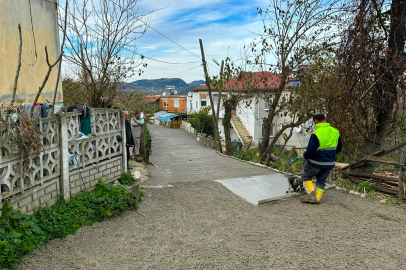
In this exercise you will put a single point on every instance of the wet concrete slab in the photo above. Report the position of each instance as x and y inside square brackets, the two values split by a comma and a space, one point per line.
[256, 188]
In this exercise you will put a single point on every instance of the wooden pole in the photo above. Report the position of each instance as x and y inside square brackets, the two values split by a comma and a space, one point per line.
[221, 87]
[401, 182]
[210, 96]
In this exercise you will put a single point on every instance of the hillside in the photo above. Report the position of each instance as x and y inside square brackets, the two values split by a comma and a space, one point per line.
[157, 86]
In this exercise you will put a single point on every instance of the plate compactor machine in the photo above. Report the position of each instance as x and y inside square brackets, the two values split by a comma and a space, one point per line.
[294, 180]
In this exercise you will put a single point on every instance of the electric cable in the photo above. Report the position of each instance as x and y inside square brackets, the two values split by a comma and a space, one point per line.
[127, 49]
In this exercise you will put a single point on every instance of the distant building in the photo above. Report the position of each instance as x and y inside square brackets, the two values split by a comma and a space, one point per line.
[173, 103]
[169, 101]
[249, 114]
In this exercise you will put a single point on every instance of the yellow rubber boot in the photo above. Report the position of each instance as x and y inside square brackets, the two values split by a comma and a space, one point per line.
[319, 194]
[309, 186]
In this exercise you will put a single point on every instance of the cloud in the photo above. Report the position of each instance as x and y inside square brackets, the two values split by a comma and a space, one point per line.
[224, 26]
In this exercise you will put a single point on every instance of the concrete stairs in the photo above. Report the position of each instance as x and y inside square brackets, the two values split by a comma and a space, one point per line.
[241, 131]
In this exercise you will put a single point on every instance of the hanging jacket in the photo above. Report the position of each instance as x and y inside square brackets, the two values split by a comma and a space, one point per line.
[324, 144]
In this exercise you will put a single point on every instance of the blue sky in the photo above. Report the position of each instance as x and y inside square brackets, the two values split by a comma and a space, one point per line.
[225, 26]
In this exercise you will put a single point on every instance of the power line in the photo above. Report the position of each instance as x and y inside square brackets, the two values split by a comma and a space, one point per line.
[142, 56]
[174, 42]
[185, 71]
[173, 70]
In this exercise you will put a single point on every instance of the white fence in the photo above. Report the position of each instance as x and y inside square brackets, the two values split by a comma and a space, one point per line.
[51, 173]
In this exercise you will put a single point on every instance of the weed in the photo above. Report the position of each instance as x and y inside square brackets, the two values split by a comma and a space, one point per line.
[127, 178]
[364, 186]
[20, 233]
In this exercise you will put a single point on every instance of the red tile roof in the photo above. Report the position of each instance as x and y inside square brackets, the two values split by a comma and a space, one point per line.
[251, 81]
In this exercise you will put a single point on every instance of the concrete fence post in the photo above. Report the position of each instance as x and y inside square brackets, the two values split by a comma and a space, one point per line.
[64, 178]
[123, 135]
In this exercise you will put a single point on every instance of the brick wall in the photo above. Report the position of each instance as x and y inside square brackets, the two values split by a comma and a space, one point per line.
[108, 171]
[29, 201]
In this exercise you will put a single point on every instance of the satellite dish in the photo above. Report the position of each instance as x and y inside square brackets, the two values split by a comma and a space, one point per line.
[297, 129]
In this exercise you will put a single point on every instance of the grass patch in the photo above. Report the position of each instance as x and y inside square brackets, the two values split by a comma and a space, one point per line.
[20, 234]
[127, 178]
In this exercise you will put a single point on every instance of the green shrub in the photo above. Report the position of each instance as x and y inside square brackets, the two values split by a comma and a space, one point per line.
[20, 233]
[203, 122]
[365, 185]
[126, 178]
[249, 155]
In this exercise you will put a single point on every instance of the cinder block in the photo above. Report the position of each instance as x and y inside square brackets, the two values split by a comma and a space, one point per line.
[50, 188]
[90, 178]
[75, 191]
[54, 194]
[72, 184]
[39, 193]
[85, 173]
[102, 168]
[114, 169]
[98, 175]
[106, 172]
[51, 202]
[117, 174]
[74, 177]
[32, 206]
[45, 198]
[116, 163]
[24, 201]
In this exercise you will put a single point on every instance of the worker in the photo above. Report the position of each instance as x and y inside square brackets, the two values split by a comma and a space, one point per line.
[324, 144]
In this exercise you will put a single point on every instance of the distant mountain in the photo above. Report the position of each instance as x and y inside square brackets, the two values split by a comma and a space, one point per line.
[157, 86]
[197, 83]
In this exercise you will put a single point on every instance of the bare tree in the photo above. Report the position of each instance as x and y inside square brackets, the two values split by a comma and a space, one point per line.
[101, 35]
[294, 32]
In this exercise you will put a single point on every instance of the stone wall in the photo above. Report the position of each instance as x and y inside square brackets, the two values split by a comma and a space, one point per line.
[200, 137]
[53, 172]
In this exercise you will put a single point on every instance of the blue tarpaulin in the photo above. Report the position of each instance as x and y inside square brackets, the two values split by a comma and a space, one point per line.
[165, 116]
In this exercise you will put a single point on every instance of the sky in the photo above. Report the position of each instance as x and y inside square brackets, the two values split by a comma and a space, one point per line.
[225, 26]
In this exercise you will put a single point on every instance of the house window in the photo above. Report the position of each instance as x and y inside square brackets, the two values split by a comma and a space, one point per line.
[267, 102]
[176, 103]
[165, 103]
[191, 108]
[203, 102]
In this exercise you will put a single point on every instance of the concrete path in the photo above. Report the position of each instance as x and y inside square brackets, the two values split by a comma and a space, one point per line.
[202, 225]
[179, 157]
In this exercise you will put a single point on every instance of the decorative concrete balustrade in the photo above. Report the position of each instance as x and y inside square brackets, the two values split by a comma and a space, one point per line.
[50, 174]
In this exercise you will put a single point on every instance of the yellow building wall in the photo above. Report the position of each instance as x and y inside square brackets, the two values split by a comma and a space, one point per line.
[44, 28]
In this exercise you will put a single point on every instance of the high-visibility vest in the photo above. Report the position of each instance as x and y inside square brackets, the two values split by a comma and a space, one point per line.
[328, 141]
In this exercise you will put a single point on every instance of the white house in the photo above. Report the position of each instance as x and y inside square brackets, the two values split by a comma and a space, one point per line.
[252, 109]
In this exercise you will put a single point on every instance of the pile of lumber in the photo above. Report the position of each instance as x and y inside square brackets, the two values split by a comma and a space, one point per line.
[388, 185]
[383, 182]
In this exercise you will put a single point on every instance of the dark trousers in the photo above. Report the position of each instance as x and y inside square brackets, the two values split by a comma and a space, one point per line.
[128, 156]
[309, 171]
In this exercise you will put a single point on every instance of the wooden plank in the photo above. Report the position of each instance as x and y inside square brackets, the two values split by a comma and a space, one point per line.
[357, 164]
[385, 152]
[382, 160]
[374, 176]
[340, 166]
[376, 187]
[401, 183]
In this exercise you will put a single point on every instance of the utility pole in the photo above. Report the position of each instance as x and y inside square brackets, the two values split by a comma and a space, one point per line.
[221, 87]
[210, 96]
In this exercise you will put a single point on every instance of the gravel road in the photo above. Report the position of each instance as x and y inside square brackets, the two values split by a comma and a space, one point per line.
[202, 225]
